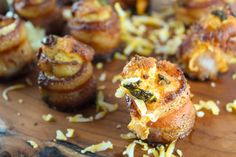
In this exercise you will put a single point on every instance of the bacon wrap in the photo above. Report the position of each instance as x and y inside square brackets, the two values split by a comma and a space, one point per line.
[190, 11]
[208, 46]
[66, 72]
[127, 4]
[42, 13]
[102, 33]
[174, 111]
[15, 49]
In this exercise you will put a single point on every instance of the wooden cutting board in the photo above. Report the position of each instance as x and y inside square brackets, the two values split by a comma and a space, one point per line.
[212, 135]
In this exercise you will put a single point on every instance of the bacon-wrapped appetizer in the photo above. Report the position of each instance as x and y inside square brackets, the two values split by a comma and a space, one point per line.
[209, 45]
[158, 98]
[3, 7]
[15, 50]
[66, 72]
[42, 13]
[190, 11]
[96, 24]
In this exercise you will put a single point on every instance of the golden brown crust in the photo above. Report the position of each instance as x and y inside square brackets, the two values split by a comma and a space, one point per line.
[170, 115]
[15, 49]
[66, 72]
[102, 33]
[177, 124]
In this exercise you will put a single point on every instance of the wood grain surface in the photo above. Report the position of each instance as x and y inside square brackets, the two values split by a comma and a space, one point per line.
[212, 136]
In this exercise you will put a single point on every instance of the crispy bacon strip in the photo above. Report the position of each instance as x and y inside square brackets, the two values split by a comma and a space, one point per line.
[66, 72]
[15, 49]
[169, 113]
[190, 11]
[97, 25]
[42, 13]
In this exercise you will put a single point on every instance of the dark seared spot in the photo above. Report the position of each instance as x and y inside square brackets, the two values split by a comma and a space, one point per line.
[145, 76]
[49, 40]
[5, 154]
[163, 80]
[50, 152]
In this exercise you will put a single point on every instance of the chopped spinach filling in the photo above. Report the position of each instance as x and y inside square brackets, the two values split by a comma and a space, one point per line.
[220, 14]
[146, 96]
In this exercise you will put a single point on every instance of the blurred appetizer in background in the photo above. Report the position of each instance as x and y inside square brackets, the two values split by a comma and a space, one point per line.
[42, 13]
[190, 11]
[210, 45]
[3, 7]
[15, 50]
[140, 6]
[158, 98]
[66, 72]
[96, 24]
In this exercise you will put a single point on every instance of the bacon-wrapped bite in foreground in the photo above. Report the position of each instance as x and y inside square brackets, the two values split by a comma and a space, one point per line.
[66, 72]
[42, 13]
[209, 45]
[15, 51]
[190, 11]
[96, 24]
[158, 98]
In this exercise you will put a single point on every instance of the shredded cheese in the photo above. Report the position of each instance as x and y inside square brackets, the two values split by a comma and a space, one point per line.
[100, 115]
[70, 133]
[118, 126]
[128, 136]
[179, 152]
[165, 36]
[208, 105]
[116, 78]
[103, 76]
[170, 149]
[142, 108]
[32, 143]
[120, 92]
[98, 147]
[120, 56]
[159, 151]
[99, 65]
[60, 136]
[35, 35]
[48, 118]
[11, 88]
[79, 118]
[129, 151]
[230, 107]
[101, 104]
[200, 114]
[234, 76]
